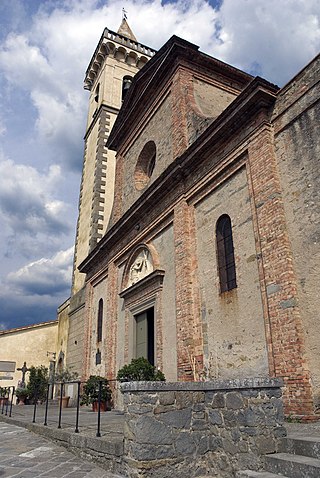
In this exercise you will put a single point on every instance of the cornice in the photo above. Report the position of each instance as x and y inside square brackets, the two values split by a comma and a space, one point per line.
[102, 50]
[155, 278]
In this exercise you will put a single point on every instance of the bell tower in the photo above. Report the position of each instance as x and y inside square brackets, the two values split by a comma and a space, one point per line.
[117, 58]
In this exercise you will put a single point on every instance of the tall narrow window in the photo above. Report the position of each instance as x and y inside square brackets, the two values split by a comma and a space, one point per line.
[100, 318]
[225, 253]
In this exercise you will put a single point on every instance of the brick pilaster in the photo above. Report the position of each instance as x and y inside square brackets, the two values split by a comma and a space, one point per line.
[111, 322]
[179, 113]
[286, 349]
[189, 331]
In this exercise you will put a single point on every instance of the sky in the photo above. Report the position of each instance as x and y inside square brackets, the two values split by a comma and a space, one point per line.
[45, 48]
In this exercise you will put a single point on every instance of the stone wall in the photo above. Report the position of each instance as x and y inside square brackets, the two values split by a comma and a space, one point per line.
[200, 428]
[75, 347]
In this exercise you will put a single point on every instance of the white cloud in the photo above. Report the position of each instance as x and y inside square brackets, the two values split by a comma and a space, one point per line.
[277, 38]
[33, 218]
[46, 276]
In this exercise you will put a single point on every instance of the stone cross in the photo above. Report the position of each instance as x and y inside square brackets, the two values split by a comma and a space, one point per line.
[24, 369]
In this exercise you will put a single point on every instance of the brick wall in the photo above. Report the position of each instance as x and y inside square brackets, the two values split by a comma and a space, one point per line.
[287, 339]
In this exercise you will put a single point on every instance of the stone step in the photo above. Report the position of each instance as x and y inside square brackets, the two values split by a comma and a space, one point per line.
[293, 466]
[258, 474]
[301, 445]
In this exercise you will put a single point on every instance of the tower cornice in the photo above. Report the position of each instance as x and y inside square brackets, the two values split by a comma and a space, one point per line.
[109, 44]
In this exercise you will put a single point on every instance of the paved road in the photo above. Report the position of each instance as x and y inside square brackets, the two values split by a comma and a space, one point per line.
[24, 454]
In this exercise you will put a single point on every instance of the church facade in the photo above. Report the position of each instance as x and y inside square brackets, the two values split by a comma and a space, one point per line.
[198, 237]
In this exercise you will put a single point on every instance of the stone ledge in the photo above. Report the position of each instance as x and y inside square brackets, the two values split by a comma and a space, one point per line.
[234, 384]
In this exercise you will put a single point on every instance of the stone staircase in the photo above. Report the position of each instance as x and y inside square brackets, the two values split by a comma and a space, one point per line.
[298, 457]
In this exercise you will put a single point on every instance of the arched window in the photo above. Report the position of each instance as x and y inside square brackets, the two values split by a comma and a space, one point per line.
[126, 83]
[100, 318]
[225, 253]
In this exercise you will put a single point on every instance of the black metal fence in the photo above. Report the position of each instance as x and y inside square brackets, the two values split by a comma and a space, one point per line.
[7, 398]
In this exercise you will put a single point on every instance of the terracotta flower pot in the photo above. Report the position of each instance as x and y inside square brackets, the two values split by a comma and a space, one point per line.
[65, 402]
[104, 406]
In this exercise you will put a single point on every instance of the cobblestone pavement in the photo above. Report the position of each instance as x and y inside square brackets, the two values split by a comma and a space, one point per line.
[24, 454]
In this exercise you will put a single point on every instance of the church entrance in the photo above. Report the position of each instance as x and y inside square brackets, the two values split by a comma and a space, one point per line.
[145, 335]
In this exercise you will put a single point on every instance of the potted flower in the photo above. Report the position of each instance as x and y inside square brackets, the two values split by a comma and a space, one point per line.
[64, 376]
[91, 393]
[22, 395]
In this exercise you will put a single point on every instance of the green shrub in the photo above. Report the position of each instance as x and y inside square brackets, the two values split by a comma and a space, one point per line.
[91, 390]
[140, 369]
[21, 393]
[38, 383]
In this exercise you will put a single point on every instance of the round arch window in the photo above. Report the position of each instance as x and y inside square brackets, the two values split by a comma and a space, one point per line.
[145, 165]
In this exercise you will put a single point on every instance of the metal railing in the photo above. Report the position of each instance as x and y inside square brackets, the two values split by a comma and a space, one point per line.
[7, 402]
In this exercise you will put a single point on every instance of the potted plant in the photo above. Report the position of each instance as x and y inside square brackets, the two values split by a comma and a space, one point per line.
[22, 395]
[91, 393]
[140, 369]
[64, 376]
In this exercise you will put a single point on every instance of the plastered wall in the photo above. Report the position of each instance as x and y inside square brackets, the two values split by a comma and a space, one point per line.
[297, 149]
[28, 345]
[99, 291]
[158, 130]
[233, 325]
[164, 244]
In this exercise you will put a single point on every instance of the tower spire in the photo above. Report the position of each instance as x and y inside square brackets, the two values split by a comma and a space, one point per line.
[124, 28]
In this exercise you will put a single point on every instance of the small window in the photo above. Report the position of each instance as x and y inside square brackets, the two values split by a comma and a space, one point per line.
[100, 318]
[145, 165]
[98, 357]
[96, 94]
[225, 253]
[126, 83]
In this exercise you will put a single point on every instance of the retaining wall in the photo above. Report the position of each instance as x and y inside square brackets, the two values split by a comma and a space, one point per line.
[190, 429]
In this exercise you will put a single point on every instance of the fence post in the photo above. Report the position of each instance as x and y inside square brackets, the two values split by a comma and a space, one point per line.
[13, 390]
[78, 408]
[60, 408]
[3, 400]
[47, 404]
[98, 434]
[7, 402]
[35, 406]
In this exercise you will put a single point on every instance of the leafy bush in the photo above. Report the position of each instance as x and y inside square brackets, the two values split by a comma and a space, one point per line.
[65, 375]
[21, 393]
[140, 369]
[91, 390]
[38, 383]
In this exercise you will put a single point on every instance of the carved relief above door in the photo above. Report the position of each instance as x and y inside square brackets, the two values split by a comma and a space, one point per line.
[142, 262]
